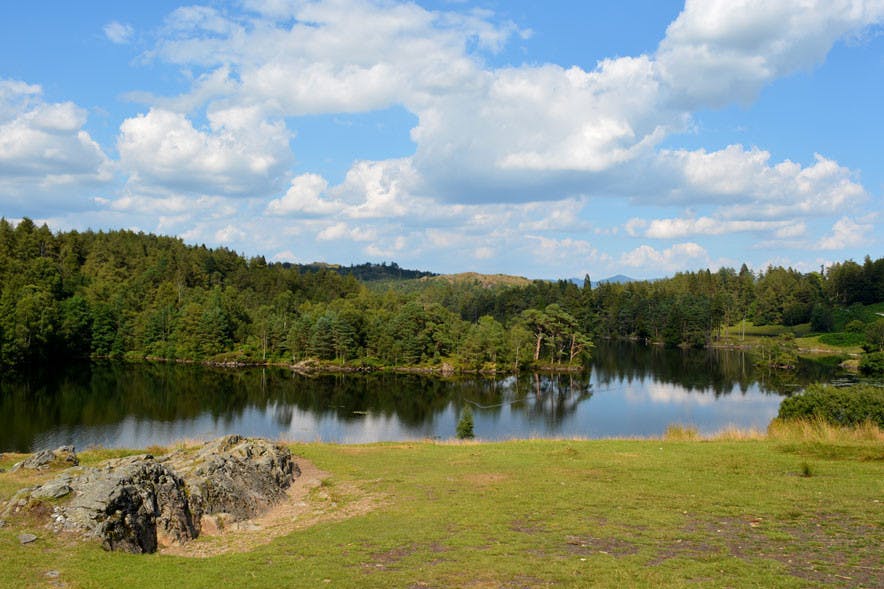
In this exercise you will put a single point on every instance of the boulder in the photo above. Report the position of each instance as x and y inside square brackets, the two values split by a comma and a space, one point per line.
[63, 456]
[146, 506]
[234, 475]
[139, 503]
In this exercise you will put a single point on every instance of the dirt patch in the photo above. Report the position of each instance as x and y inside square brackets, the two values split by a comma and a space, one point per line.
[586, 545]
[525, 526]
[390, 557]
[311, 500]
[519, 582]
[381, 561]
[831, 549]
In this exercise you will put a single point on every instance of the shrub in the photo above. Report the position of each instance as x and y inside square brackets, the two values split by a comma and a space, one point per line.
[465, 425]
[855, 326]
[843, 339]
[872, 363]
[875, 335]
[852, 405]
[806, 469]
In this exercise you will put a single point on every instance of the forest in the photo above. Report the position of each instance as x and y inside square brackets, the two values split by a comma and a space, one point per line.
[121, 294]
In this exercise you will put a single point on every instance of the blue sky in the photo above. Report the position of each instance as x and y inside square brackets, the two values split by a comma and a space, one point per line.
[541, 139]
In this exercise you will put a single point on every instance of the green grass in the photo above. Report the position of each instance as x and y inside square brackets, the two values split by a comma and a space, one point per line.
[749, 334]
[797, 508]
[821, 343]
[827, 343]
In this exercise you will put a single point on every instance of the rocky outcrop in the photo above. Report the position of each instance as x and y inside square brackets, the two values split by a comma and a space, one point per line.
[139, 503]
[234, 476]
[63, 456]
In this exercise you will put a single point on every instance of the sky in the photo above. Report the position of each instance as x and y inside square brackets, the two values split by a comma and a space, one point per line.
[543, 139]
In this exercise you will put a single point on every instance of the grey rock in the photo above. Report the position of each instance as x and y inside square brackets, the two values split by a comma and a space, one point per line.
[55, 489]
[64, 456]
[139, 503]
[27, 538]
[132, 504]
[235, 475]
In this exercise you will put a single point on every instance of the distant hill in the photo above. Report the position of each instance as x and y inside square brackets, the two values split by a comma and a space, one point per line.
[617, 279]
[485, 280]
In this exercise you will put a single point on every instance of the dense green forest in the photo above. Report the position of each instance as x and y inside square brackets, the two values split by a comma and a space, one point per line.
[132, 295]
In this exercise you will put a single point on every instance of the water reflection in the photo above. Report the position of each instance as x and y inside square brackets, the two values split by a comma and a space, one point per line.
[630, 391]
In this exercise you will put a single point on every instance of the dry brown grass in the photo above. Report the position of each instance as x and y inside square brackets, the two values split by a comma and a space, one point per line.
[819, 430]
[735, 434]
[677, 432]
[798, 430]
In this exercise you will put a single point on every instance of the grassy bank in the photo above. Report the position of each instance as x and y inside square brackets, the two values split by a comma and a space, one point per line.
[798, 507]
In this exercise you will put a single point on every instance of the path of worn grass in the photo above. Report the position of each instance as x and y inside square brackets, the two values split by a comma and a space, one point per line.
[538, 514]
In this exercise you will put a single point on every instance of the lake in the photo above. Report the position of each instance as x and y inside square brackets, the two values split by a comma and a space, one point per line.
[628, 391]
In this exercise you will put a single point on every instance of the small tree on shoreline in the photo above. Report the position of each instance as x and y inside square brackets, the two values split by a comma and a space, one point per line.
[465, 425]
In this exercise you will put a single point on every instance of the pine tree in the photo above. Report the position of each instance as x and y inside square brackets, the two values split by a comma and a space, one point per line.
[465, 425]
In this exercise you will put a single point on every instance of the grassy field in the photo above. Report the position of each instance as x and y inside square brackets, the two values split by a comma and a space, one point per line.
[751, 335]
[800, 507]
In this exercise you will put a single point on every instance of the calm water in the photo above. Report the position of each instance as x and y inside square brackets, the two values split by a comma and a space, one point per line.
[629, 391]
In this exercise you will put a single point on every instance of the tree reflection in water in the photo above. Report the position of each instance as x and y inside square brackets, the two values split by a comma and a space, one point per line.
[119, 404]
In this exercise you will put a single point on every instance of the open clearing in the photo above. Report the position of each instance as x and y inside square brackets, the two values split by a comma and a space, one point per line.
[568, 513]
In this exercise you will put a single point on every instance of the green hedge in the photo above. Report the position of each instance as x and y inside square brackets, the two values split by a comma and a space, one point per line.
[851, 405]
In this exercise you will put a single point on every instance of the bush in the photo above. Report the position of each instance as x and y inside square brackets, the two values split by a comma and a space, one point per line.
[875, 335]
[872, 363]
[842, 339]
[465, 425]
[852, 405]
[855, 326]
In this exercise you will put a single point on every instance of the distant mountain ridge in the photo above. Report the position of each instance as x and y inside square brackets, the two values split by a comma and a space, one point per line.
[616, 279]
[370, 272]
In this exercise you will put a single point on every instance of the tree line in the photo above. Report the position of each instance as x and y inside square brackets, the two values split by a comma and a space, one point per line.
[125, 294]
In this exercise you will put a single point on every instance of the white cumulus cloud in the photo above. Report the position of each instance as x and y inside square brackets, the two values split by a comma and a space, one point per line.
[521, 133]
[847, 232]
[746, 184]
[679, 256]
[44, 151]
[304, 196]
[719, 51]
[118, 33]
[240, 154]
[679, 228]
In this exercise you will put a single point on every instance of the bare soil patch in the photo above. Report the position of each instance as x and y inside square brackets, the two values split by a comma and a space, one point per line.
[831, 549]
[586, 545]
